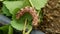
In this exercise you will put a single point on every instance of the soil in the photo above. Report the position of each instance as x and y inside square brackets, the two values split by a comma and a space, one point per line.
[51, 19]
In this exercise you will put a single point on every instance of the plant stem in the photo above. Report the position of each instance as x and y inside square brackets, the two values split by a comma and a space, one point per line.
[29, 31]
[25, 26]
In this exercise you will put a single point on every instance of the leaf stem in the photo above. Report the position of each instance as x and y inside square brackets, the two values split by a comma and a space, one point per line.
[29, 31]
[25, 26]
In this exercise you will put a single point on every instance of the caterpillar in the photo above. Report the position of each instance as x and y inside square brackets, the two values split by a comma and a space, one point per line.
[30, 10]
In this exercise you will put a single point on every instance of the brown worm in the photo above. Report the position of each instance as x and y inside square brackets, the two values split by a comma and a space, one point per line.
[30, 10]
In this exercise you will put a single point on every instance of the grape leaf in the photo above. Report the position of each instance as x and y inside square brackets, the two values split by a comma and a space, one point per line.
[26, 3]
[11, 5]
[6, 11]
[19, 24]
[1, 0]
[12, 0]
[38, 4]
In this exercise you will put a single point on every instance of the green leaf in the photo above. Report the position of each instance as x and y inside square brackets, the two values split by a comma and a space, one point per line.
[12, 5]
[26, 3]
[10, 30]
[15, 11]
[13, 0]
[1, 0]
[6, 11]
[19, 24]
[4, 29]
[38, 4]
